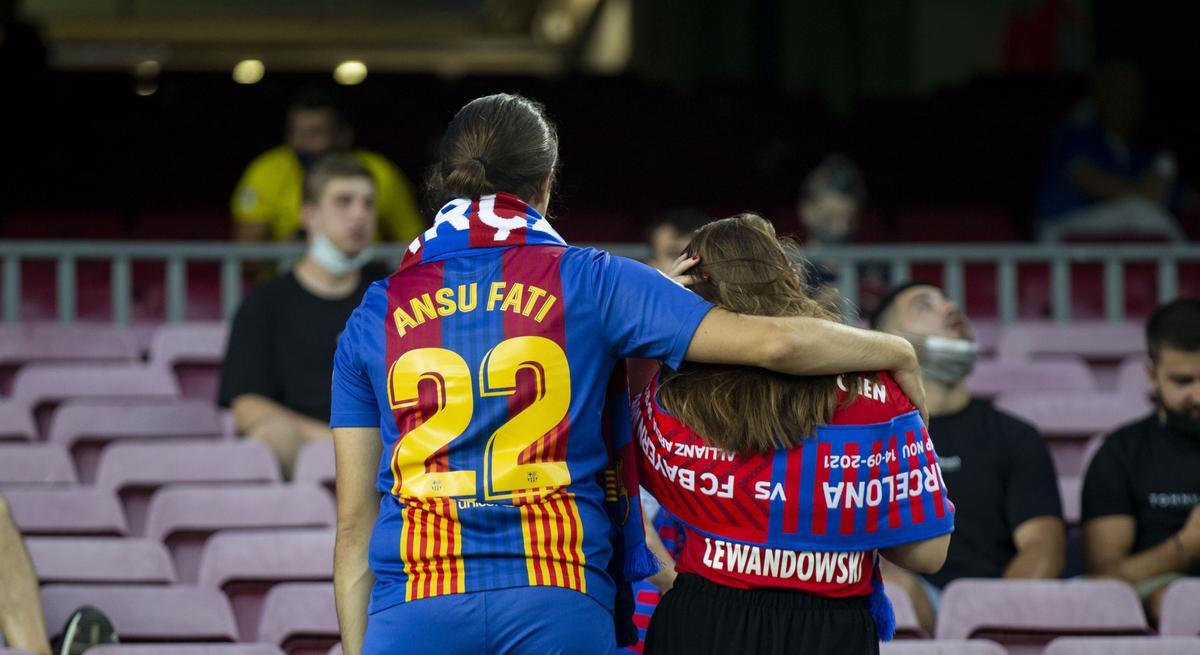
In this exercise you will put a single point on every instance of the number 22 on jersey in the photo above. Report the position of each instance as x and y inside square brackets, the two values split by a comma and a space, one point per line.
[503, 472]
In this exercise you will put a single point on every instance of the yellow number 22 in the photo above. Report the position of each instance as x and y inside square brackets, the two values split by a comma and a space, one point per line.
[503, 472]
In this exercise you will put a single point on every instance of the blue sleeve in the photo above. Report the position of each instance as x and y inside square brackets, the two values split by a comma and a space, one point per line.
[352, 403]
[643, 312]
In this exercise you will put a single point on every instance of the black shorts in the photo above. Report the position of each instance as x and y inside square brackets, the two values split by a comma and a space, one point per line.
[698, 616]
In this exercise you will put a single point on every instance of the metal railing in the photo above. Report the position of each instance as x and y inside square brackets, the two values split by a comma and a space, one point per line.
[847, 261]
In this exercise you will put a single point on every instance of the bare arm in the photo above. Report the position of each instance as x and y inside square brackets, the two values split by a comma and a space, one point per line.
[805, 346]
[356, 452]
[21, 620]
[1108, 549]
[252, 410]
[1102, 185]
[1041, 549]
[926, 556]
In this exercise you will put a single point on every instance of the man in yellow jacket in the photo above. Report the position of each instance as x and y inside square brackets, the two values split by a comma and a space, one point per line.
[266, 203]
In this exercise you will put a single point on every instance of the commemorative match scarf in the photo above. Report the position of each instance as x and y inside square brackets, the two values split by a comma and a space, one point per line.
[847, 488]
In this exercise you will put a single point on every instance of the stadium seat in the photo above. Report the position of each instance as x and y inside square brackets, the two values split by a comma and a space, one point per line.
[246, 564]
[135, 470]
[13, 651]
[993, 377]
[146, 612]
[45, 342]
[1091, 340]
[183, 649]
[1089, 451]
[1123, 646]
[941, 647]
[315, 464]
[1131, 376]
[67, 511]
[300, 618]
[51, 383]
[987, 336]
[35, 464]
[1181, 609]
[184, 516]
[1023, 615]
[85, 426]
[16, 421]
[100, 559]
[336, 650]
[1067, 419]
[1069, 490]
[907, 625]
[193, 353]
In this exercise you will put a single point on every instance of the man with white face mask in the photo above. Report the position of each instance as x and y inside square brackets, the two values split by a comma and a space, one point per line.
[277, 367]
[997, 468]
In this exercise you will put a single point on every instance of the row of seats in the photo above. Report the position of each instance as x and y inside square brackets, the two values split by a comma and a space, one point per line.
[1022, 615]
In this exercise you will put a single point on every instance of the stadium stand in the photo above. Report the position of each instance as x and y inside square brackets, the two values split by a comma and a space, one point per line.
[68, 511]
[245, 565]
[942, 647]
[185, 649]
[1024, 615]
[99, 560]
[16, 421]
[315, 464]
[192, 351]
[35, 464]
[1181, 609]
[1123, 646]
[300, 618]
[994, 377]
[146, 612]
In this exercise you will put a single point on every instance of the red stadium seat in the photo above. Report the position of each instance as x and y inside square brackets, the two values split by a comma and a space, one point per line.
[100, 559]
[184, 516]
[315, 464]
[84, 427]
[1181, 609]
[1068, 419]
[193, 352]
[135, 470]
[35, 464]
[16, 421]
[48, 342]
[942, 647]
[1025, 614]
[1123, 646]
[184, 649]
[1131, 375]
[1091, 340]
[39, 384]
[246, 564]
[146, 612]
[300, 618]
[67, 511]
[993, 377]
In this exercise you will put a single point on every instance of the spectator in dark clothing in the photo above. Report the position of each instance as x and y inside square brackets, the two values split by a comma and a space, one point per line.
[1100, 177]
[1141, 494]
[996, 467]
[279, 361]
[670, 233]
[829, 209]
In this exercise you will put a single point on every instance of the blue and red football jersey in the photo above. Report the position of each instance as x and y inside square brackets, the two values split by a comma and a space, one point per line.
[484, 362]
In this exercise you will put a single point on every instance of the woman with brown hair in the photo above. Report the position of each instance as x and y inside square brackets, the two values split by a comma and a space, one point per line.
[786, 487]
[468, 397]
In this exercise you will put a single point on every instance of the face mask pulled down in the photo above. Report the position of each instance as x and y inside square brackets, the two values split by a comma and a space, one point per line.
[332, 259]
[946, 360]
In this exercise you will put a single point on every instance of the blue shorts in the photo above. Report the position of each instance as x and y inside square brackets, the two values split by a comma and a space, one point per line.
[503, 621]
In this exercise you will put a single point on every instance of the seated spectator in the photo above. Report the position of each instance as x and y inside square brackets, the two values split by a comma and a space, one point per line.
[277, 367]
[829, 210]
[1141, 494]
[22, 624]
[669, 235]
[1101, 178]
[997, 468]
[266, 203]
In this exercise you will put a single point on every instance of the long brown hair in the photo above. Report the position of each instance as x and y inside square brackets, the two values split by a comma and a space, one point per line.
[501, 142]
[746, 269]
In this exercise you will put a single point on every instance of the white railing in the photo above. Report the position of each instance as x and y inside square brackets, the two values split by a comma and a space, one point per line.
[847, 261]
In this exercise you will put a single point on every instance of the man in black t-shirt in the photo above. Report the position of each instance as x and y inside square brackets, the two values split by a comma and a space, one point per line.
[279, 361]
[1141, 495]
[997, 468]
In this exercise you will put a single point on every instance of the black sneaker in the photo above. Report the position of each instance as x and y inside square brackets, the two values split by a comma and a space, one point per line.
[87, 627]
